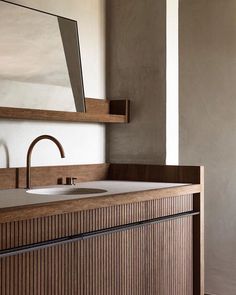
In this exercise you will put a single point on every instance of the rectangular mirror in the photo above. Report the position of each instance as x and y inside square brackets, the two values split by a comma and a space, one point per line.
[40, 63]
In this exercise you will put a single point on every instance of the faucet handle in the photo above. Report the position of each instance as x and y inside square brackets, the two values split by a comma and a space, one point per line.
[70, 180]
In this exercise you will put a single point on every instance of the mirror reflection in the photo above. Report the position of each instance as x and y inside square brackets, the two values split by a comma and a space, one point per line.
[40, 65]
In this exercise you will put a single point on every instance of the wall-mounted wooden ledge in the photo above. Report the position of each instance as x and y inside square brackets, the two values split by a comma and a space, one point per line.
[97, 111]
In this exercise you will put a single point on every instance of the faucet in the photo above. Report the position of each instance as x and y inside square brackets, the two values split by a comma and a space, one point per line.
[28, 163]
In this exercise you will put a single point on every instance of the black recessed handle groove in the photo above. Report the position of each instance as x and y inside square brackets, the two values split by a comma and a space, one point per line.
[92, 234]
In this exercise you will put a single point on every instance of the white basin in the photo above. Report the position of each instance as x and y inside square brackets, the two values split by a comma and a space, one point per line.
[66, 191]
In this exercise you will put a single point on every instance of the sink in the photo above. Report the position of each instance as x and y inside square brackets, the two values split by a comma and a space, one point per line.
[66, 191]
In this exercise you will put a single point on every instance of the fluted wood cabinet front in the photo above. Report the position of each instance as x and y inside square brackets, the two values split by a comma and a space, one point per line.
[152, 259]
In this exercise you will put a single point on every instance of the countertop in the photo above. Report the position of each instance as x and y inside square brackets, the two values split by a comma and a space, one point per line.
[20, 197]
[16, 203]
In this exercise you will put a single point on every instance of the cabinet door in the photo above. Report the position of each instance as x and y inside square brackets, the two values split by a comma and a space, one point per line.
[152, 259]
[168, 263]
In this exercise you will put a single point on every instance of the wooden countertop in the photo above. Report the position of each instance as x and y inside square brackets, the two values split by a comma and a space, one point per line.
[17, 204]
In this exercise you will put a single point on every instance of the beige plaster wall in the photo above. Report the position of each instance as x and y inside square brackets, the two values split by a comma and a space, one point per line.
[136, 69]
[83, 143]
[208, 126]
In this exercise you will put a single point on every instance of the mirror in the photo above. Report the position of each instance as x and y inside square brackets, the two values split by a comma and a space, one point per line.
[40, 63]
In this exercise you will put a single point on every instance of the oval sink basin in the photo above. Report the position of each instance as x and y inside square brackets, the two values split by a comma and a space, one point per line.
[66, 191]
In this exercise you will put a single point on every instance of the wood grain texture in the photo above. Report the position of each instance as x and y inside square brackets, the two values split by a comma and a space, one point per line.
[178, 174]
[156, 173]
[15, 177]
[152, 259]
[43, 176]
[9, 178]
[29, 231]
[149, 260]
[198, 242]
[97, 112]
[98, 106]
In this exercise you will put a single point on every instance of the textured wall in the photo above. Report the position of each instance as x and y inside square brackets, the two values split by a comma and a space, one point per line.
[172, 82]
[84, 143]
[208, 124]
[136, 62]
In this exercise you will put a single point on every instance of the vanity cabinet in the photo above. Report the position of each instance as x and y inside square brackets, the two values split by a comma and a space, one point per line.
[130, 241]
[130, 249]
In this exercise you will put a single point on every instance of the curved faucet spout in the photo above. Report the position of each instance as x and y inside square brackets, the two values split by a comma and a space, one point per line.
[29, 153]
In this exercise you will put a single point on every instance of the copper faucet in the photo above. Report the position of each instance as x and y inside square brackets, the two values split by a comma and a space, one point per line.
[28, 164]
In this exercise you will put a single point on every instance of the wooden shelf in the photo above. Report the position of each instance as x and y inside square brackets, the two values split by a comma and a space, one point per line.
[97, 111]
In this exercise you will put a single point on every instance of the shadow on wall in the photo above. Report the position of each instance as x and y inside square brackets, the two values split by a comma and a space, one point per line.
[4, 147]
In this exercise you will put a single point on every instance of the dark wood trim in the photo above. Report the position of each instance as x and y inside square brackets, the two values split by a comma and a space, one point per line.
[15, 177]
[97, 112]
[202, 233]
[198, 241]
[11, 178]
[196, 248]
[120, 107]
[155, 173]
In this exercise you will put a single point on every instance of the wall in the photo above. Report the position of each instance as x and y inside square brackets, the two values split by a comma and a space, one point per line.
[208, 124]
[172, 82]
[136, 69]
[83, 143]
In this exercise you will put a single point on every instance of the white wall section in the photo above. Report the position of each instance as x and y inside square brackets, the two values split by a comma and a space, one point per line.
[83, 143]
